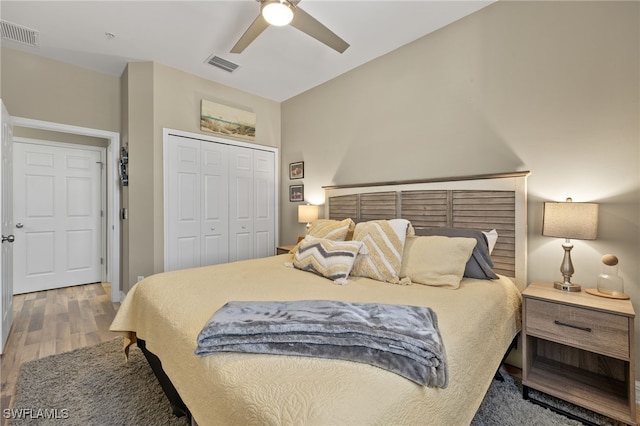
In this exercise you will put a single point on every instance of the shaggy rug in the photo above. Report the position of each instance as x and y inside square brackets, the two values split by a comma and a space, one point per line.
[93, 386]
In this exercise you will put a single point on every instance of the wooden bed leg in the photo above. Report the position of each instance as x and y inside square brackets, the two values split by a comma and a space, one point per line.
[178, 407]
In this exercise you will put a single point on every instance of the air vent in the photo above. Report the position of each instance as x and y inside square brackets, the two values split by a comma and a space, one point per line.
[19, 34]
[222, 63]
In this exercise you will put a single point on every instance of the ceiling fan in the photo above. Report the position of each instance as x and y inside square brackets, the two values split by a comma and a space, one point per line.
[284, 12]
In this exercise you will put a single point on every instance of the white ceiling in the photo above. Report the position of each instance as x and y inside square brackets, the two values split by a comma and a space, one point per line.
[281, 63]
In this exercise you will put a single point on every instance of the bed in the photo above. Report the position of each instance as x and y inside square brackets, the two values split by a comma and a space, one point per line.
[478, 320]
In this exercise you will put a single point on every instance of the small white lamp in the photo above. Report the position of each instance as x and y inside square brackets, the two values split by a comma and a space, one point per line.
[569, 220]
[307, 214]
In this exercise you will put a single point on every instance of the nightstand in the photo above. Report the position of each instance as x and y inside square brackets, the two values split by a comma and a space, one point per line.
[284, 249]
[579, 348]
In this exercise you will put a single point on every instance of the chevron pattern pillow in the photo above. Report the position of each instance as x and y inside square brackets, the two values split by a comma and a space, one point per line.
[331, 259]
[335, 230]
[384, 240]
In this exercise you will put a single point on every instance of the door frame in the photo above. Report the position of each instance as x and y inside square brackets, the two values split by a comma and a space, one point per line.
[113, 190]
[103, 192]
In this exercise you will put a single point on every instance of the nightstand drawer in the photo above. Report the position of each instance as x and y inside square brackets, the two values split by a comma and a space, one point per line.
[595, 331]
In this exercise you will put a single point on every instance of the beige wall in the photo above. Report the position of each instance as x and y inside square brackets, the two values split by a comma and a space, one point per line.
[139, 104]
[550, 87]
[43, 89]
[162, 97]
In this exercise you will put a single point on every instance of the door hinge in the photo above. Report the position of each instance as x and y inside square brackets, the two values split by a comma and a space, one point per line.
[101, 213]
[102, 260]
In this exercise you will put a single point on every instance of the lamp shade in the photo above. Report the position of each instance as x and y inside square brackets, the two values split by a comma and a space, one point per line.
[307, 213]
[570, 220]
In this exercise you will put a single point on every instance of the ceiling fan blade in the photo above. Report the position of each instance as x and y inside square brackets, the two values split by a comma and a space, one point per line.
[311, 26]
[254, 30]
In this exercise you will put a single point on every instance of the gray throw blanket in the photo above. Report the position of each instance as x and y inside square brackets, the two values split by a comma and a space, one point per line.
[400, 338]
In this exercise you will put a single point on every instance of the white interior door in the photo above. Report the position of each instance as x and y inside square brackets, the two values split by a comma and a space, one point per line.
[58, 210]
[214, 203]
[6, 221]
[197, 209]
[183, 210]
[219, 201]
[241, 244]
[264, 203]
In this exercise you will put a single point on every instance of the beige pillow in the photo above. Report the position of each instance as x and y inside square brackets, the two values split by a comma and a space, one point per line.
[436, 260]
[335, 230]
[384, 241]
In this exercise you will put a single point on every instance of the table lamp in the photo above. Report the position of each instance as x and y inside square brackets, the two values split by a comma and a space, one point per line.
[569, 220]
[307, 214]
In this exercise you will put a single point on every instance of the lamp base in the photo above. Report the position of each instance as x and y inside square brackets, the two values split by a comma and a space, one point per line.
[570, 287]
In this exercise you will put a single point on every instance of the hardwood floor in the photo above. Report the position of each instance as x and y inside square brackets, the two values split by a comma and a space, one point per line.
[52, 322]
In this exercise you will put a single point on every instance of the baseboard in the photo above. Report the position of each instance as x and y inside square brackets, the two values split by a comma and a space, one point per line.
[637, 392]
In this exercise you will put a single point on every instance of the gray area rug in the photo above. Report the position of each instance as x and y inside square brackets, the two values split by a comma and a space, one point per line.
[93, 386]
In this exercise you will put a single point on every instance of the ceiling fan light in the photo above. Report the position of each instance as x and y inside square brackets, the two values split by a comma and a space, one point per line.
[277, 13]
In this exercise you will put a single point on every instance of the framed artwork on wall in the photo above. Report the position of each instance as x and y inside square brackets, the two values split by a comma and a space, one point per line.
[296, 170]
[227, 121]
[296, 192]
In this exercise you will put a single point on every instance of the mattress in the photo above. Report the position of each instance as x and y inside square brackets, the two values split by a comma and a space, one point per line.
[477, 322]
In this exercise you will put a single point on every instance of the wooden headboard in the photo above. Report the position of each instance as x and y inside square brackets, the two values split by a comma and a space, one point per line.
[484, 202]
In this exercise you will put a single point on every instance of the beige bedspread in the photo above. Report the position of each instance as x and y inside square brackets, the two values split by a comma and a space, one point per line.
[477, 323]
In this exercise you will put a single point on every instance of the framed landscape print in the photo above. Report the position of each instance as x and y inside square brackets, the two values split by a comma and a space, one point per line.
[296, 170]
[228, 121]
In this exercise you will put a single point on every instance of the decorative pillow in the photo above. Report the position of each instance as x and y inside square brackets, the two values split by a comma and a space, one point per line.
[492, 238]
[436, 260]
[335, 230]
[480, 264]
[331, 259]
[384, 240]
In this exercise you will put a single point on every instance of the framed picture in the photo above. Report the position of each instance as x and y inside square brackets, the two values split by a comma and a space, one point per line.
[227, 121]
[296, 170]
[296, 192]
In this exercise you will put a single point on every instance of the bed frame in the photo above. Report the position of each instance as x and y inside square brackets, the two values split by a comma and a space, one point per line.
[484, 202]
[492, 201]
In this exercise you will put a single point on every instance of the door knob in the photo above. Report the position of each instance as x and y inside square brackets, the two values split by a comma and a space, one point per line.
[10, 238]
[19, 225]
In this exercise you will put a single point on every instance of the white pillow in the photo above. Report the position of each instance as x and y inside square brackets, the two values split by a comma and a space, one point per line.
[492, 237]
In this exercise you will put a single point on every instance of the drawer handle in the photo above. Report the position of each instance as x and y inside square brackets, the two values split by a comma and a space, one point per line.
[587, 329]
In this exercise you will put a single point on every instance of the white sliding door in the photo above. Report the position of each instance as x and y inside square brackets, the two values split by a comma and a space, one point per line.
[197, 191]
[184, 206]
[219, 201]
[215, 200]
[241, 204]
[264, 203]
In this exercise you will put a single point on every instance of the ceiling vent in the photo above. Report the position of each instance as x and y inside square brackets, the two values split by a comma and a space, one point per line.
[222, 63]
[19, 34]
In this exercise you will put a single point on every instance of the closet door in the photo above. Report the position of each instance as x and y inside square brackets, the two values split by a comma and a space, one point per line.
[183, 207]
[198, 194]
[214, 178]
[219, 202]
[241, 209]
[264, 203]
